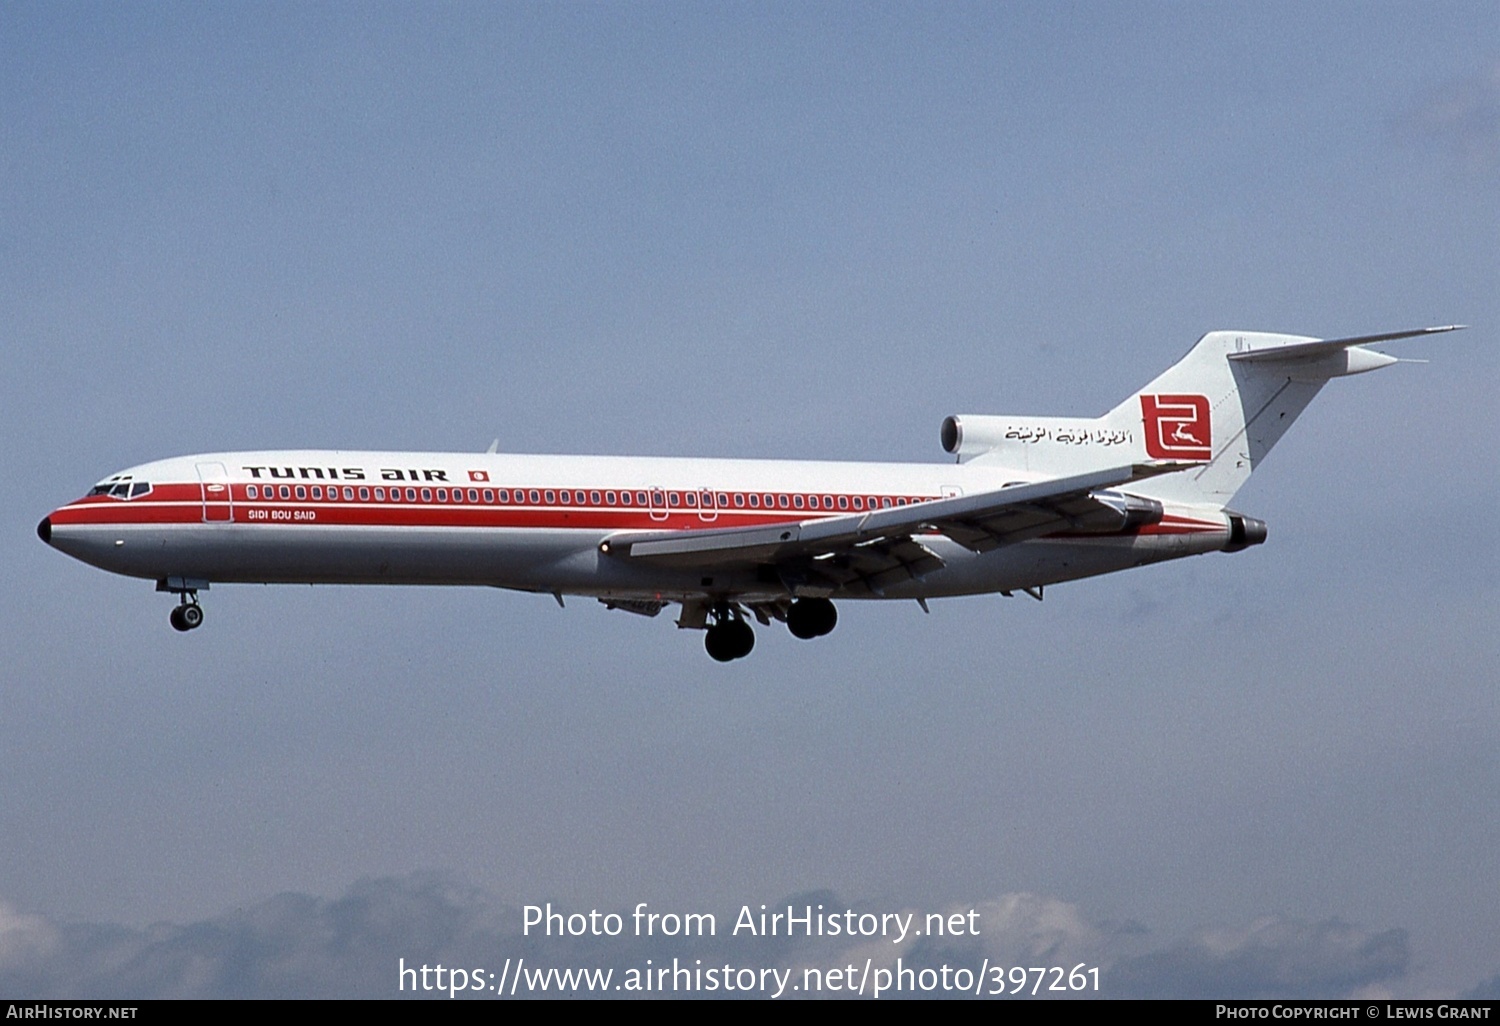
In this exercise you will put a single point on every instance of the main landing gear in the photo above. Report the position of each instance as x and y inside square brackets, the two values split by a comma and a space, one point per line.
[730, 637]
[189, 614]
[811, 618]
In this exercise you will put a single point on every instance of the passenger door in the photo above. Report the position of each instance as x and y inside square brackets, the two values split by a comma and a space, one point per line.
[218, 499]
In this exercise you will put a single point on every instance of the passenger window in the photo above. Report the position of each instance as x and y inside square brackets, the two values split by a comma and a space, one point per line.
[286, 492]
[380, 495]
[535, 496]
[442, 494]
[886, 502]
[843, 502]
[692, 499]
[859, 502]
[754, 501]
[489, 495]
[739, 499]
[579, 499]
[551, 498]
[640, 498]
[426, 494]
[473, 494]
[797, 501]
[250, 491]
[812, 501]
[317, 491]
[610, 498]
[301, 492]
[673, 499]
[594, 498]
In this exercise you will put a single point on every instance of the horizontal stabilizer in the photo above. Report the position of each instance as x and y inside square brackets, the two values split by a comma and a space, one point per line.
[1313, 349]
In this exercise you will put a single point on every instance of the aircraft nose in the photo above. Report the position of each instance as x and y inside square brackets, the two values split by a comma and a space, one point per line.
[44, 530]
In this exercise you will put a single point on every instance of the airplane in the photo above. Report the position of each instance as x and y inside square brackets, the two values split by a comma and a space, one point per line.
[1028, 502]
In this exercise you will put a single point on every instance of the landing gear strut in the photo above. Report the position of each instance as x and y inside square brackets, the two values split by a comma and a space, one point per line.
[811, 618]
[730, 637]
[189, 614]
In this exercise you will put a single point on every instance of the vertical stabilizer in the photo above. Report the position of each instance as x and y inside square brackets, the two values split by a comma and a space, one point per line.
[1222, 406]
[1223, 414]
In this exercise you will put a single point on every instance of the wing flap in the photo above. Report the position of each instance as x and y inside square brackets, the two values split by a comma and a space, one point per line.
[867, 568]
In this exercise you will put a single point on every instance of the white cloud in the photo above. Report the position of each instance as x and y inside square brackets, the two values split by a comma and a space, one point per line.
[24, 939]
[1272, 957]
[1463, 118]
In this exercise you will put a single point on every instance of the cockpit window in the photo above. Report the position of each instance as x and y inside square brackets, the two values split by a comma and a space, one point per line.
[121, 486]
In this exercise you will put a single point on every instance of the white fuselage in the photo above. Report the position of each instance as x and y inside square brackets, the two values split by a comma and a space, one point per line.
[536, 523]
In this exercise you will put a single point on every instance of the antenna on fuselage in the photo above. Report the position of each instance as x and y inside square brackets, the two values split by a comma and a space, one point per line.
[494, 448]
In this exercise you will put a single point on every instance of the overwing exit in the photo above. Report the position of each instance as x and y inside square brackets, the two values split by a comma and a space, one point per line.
[1030, 501]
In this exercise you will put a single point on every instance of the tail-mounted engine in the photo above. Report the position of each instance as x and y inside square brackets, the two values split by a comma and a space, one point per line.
[1244, 532]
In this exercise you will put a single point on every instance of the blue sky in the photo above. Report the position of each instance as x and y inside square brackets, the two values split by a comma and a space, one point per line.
[756, 230]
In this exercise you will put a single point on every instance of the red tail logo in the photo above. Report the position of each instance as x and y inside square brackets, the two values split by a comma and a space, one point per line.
[1177, 427]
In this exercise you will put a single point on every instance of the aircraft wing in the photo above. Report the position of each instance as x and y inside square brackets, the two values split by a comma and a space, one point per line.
[881, 547]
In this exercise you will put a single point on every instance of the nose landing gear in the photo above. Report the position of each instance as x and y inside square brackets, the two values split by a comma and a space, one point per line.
[189, 614]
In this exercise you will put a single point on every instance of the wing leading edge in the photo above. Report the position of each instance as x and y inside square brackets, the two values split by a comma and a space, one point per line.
[875, 549]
